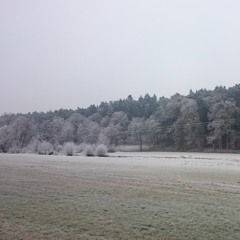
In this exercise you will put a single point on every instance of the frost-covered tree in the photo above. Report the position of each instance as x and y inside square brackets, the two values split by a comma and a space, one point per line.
[119, 126]
[105, 121]
[137, 130]
[223, 118]
[120, 119]
[75, 120]
[88, 132]
[23, 131]
[7, 119]
[188, 129]
[67, 133]
[96, 117]
[6, 138]
[57, 129]
[93, 133]
[45, 131]
[234, 94]
[112, 133]
[50, 130]
[152, 131]
[167, 114]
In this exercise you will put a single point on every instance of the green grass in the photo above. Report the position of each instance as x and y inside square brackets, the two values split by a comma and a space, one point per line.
[73, 198]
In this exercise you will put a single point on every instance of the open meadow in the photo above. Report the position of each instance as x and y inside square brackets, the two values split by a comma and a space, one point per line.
[124, 196]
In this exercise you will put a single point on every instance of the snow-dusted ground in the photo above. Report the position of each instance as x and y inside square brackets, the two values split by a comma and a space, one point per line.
[181, 159]
[211, 161]
[151, 195]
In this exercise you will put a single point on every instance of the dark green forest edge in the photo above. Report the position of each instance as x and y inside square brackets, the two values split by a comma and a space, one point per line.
[201, 121]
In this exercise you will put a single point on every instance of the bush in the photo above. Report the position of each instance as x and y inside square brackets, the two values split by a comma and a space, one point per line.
[89, 152]
[69, 149]
[45, 148]
[101, 150]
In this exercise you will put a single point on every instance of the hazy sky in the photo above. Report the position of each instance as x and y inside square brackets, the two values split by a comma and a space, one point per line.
[73, 53]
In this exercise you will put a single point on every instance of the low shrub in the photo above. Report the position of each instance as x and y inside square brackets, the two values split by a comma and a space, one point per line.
[101, 150]
[89, 152]
[69, 149]
[45, 148]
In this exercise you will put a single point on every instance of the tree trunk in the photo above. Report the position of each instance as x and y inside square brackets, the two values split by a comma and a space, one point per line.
[23, 140]
[227, 141]
[3, 148]
[140, 143]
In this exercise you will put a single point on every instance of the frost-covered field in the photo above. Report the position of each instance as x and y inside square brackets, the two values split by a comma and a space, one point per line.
[125, 196]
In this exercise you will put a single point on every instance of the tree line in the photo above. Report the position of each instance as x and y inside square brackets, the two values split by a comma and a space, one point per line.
[205, 119]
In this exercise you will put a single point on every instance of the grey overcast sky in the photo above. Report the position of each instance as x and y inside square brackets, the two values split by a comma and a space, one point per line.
[73, 53]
